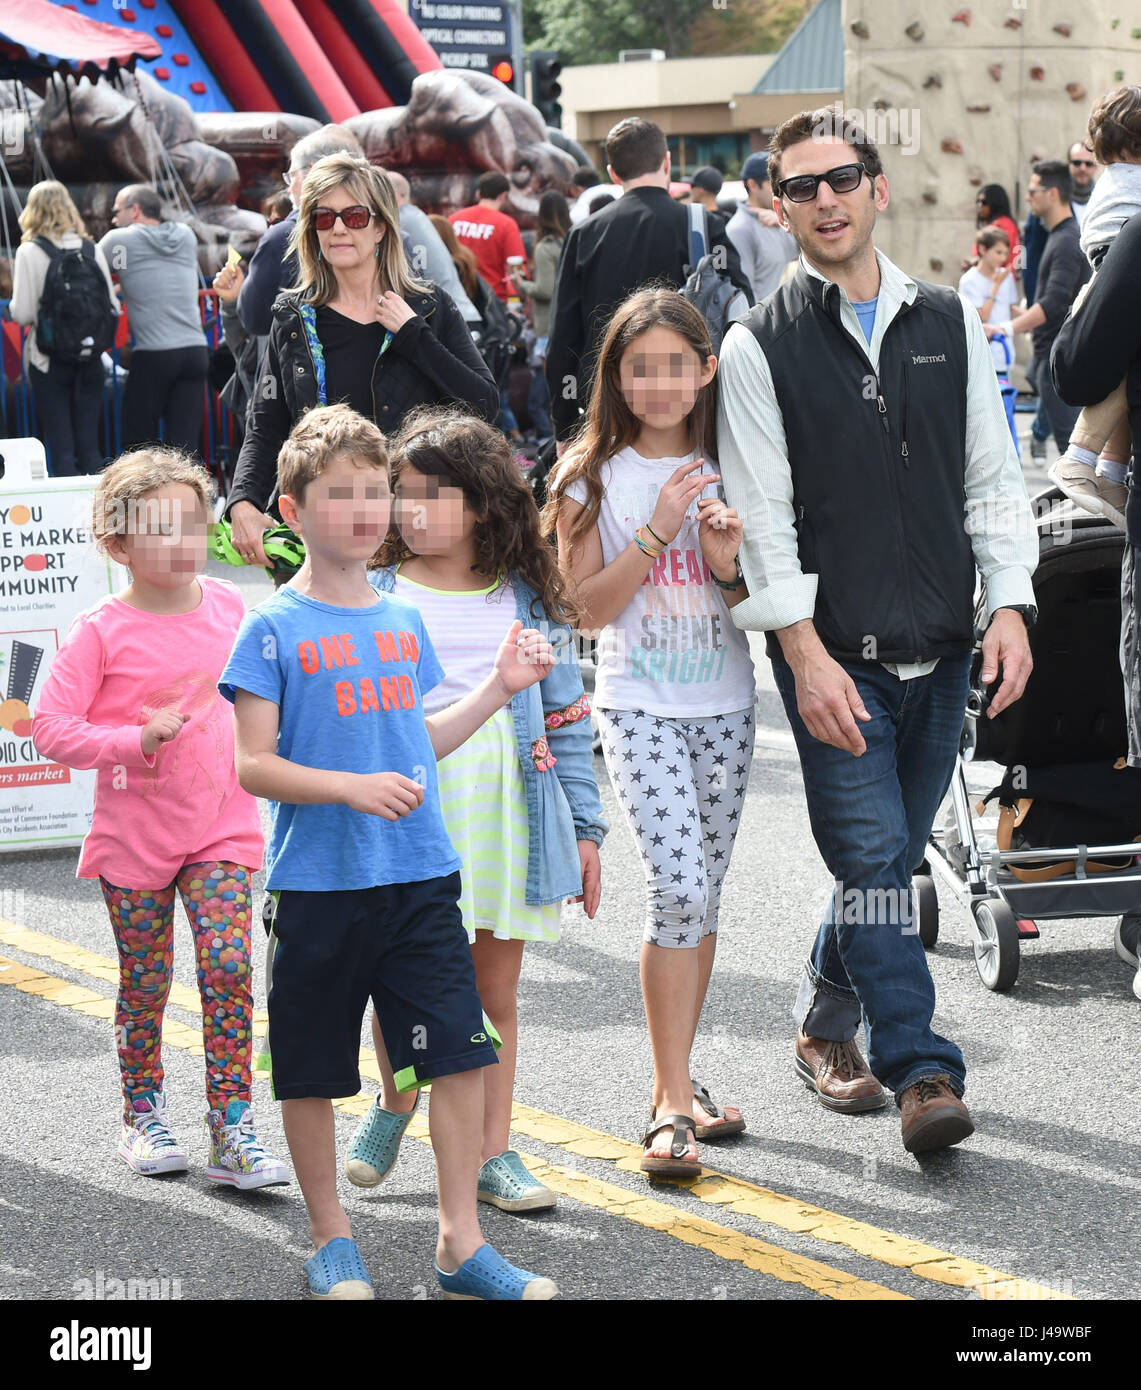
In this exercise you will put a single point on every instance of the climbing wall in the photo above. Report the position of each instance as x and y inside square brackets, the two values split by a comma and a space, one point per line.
[181, 68]
[980, 91]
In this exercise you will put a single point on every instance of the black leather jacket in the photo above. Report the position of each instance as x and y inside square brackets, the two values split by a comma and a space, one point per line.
[431, 360]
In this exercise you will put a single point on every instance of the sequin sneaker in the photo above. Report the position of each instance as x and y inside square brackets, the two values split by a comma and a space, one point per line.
[145, 1143]
[236, 1155]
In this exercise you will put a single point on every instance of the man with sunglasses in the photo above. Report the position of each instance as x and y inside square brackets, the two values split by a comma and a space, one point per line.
[863, 441]
[1062, 271]
[1084, 170]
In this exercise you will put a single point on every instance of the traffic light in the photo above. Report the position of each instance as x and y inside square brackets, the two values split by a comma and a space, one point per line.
[545, 89]
[502, 69]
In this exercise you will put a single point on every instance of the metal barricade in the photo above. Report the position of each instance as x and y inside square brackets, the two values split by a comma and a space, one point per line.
[19, 419]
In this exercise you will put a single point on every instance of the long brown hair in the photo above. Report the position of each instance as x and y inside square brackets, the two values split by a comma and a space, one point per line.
[317, 281]
[610, 423]
[463, 256]
[466, 452]
[554, 217]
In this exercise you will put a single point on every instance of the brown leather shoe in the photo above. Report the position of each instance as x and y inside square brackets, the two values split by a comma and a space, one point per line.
[838, 1074]
[933, 1116]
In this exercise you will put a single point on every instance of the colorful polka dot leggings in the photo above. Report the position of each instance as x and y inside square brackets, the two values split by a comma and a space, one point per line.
[218, 901]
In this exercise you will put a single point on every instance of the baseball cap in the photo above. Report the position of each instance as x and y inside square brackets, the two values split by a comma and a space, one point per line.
[756, 167]
[707, 178]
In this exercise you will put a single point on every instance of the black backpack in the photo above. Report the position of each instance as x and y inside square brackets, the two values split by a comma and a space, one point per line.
[497, 335]
[76, 322]
[708, 287]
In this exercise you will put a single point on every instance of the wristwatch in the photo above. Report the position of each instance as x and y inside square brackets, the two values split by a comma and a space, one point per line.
[1028, 611]
[736, 583]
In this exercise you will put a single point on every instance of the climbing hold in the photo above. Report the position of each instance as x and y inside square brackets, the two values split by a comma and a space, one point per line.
[1065, 29]
[995, 71]
[975, 180]
[880, 105]
[962, 17]
[1013, 23]
[933, 80]
[1037, 73]
[915, 31]
[979, 106]
[935, 263]
[1076, 90]
[860, 29]
[930, 196]
[950, 146]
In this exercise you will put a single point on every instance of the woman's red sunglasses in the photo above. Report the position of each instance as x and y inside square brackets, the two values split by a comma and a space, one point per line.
[355, 218]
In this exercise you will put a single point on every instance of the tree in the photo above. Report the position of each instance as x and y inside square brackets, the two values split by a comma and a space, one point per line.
[593, 31]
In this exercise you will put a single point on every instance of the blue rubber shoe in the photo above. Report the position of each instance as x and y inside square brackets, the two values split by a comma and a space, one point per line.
[375, 1145]
[506, 1182]
[337, 1271]
[489, 1277]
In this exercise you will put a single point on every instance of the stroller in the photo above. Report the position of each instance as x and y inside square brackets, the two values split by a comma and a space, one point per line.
[1069, 810]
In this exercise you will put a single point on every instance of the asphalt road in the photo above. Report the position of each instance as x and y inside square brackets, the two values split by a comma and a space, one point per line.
[813, 1206]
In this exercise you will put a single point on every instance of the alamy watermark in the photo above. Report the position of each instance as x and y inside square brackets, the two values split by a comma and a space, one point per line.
[106, 1288]
[882, 125]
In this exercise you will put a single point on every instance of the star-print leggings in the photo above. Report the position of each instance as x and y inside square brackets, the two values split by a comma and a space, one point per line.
[218, 901]
[681, 783]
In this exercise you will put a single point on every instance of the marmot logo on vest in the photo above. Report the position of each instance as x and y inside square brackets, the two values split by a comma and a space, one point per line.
[919, 361]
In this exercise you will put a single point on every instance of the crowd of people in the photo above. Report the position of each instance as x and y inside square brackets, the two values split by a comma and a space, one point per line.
[410, 703]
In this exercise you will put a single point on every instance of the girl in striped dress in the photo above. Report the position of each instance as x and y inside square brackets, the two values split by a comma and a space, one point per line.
[519, 799]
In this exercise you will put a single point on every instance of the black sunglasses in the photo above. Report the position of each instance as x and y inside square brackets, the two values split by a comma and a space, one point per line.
[801, 188]
[1084, 163]
[355, 218]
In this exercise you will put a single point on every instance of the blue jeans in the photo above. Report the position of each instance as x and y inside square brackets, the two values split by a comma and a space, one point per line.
[1059, 417]
[507, 421]
[871, 817]
[539, 406]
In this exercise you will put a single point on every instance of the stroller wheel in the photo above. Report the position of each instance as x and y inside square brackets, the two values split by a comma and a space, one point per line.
[926, 900]
[996, 943]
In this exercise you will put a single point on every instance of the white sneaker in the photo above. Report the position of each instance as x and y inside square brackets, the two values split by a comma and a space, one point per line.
[146, 1144]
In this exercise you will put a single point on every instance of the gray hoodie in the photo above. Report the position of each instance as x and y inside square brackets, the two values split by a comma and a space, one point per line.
[157, 270]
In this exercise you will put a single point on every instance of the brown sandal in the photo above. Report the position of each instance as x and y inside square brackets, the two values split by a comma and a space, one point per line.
[676, 1166]
[710, 1106]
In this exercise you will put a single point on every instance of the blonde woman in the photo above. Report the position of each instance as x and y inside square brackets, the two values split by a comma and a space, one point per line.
[68, 393]
[358, 327]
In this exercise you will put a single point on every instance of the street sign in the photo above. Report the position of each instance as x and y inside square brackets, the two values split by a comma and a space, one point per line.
[472, 36]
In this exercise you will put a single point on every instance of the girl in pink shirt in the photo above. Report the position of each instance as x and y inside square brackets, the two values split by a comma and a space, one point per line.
[133, 693]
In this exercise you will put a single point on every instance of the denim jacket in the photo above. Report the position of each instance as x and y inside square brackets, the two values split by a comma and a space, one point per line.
[553, 735]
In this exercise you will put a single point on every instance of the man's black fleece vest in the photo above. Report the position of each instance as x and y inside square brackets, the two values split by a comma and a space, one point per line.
[878, 468]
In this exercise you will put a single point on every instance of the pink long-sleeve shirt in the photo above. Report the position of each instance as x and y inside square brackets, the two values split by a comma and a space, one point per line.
[183, 804]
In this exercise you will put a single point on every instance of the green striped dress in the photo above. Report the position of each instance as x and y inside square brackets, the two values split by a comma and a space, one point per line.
[482, 793]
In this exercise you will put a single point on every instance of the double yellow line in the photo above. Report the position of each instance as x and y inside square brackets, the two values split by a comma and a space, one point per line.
[713, 1189]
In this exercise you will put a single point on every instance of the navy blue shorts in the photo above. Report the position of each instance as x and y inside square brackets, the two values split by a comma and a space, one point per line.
[402, 945]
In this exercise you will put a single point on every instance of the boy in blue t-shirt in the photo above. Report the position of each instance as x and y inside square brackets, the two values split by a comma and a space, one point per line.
[327, 678]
